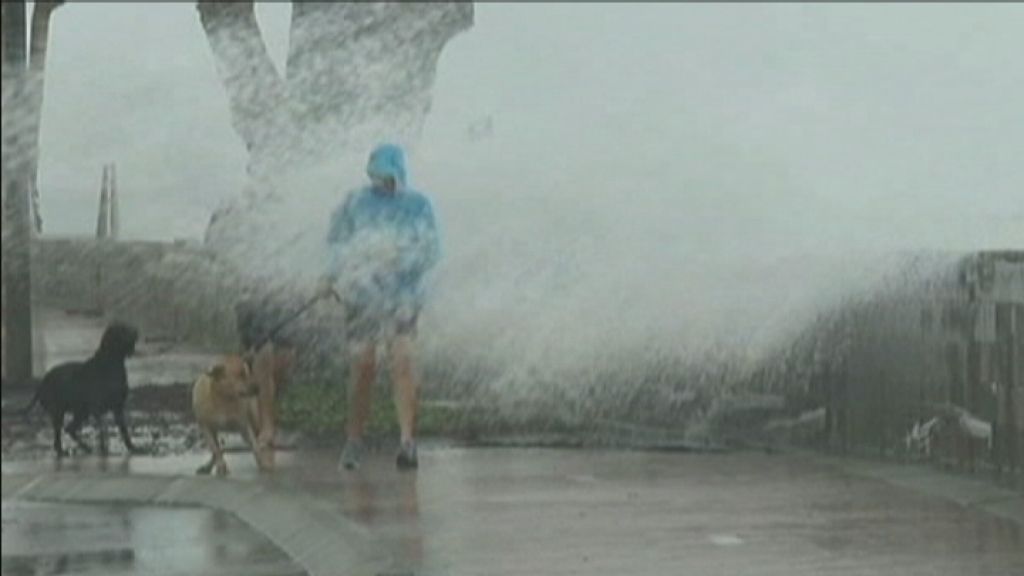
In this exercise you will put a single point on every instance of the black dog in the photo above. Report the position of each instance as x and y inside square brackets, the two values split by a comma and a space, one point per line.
[91, 388]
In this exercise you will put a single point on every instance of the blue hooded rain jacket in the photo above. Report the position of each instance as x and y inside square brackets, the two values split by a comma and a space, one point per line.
[383, 243]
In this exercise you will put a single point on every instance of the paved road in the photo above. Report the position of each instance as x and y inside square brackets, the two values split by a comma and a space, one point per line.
[526, 512]
[111, 541]
[557, 512]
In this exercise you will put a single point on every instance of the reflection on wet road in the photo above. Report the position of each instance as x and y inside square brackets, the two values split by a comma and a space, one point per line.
[496, 512]
[525, 512]
[53, 539]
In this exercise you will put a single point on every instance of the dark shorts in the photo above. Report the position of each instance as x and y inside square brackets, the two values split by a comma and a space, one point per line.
[382, 320]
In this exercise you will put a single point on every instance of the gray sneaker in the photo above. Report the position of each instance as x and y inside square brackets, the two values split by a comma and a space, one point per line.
[406, 459]
[352, 454]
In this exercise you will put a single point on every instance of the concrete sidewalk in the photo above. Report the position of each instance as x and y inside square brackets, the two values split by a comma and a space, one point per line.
[524, 511]
[968, 491]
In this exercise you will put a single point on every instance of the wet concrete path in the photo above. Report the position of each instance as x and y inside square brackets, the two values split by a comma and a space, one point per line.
[55, 539]
[532, 511]
[583, 512]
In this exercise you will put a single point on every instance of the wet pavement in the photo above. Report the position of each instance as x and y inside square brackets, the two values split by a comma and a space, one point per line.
[472, 511]
[533, 511]
[581, 512]
[56, 539]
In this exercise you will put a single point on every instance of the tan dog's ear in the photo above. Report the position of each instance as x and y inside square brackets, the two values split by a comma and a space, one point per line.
[217, 372]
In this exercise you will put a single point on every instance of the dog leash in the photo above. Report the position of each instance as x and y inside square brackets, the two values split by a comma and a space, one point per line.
[294, 316]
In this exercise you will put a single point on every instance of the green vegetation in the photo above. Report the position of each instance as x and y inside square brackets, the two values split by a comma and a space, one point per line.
[318, 410]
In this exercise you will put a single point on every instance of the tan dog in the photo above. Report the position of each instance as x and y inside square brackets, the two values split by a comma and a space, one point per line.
[225, 399]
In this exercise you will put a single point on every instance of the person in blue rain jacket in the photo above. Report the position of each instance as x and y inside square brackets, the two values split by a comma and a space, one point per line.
[382, 239]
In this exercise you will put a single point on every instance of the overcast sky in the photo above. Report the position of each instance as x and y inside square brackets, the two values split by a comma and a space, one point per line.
[705, 130]
[903, 121]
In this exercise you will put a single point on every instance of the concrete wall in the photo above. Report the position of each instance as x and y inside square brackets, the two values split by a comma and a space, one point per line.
[168, 290]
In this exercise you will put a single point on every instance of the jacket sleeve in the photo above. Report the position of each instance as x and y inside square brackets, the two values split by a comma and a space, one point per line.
[425, 251]
[339, 232]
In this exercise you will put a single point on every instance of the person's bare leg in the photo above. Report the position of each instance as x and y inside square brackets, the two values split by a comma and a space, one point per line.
[284, 359]
[264, 455]
[406, 386]
[363, 373]
[264, 373]
[278, 364]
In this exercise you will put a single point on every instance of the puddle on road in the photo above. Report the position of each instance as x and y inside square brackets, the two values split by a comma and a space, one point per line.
[101, 540]
[725, 540]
